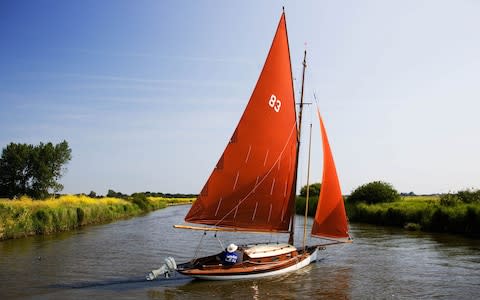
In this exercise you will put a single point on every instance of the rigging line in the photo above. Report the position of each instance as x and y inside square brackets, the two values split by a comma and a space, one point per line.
[261, 180]
[220, 242]
[198, 247]
[304, 164]
[304, 153]
[308, 191]
[316, 101]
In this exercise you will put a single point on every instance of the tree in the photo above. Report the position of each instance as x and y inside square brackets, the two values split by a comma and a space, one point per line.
[15, 170]
[374, 192]
[32, 170]
[313, 190]
[113, 194]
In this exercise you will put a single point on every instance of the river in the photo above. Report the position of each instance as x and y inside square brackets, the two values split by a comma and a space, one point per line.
[110, 261]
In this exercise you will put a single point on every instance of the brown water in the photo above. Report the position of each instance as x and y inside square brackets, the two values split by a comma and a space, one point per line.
[110, 261]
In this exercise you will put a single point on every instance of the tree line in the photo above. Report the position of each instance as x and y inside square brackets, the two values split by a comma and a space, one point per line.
[112, 193]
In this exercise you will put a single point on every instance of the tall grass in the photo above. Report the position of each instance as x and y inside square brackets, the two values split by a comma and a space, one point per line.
[448, 213]
[25, 216]
[163, 201]
[420, 212]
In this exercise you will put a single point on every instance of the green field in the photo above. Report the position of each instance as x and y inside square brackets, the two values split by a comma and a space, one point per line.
[23, 217]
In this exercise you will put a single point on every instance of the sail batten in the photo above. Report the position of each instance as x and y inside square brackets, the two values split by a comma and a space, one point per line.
[218, 207]
[265, 160]
[255, 211]
[258, 155]
[273, 185]
[248, 153]
[269, 213]
[236, 180]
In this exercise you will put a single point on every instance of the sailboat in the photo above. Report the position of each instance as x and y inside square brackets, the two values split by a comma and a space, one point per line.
[253, 185]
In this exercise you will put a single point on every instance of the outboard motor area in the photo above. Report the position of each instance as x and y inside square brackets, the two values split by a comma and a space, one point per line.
[166, 270]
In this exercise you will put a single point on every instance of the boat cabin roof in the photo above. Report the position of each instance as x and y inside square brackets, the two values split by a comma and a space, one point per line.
[265, 250]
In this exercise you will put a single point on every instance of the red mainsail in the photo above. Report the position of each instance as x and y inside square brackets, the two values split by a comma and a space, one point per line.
[330, 218]
[251, 186]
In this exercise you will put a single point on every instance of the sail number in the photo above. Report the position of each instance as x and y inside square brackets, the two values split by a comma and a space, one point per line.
[275, 103]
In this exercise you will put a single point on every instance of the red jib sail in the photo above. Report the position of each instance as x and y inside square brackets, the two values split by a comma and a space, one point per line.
[330, 218]
[251, 186]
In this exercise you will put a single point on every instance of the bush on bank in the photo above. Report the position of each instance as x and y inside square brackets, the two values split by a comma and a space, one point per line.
[374, 192]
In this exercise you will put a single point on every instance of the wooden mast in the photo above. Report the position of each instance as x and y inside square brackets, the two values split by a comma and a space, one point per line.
[308, 190]
[294, 190]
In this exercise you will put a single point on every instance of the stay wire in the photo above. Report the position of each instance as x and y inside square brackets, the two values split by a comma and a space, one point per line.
[198, 247]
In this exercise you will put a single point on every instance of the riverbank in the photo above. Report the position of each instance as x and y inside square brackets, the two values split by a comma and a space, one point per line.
[425, 213]
[24, 217]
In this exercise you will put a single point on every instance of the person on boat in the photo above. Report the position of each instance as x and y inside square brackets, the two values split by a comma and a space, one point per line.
[232, 255]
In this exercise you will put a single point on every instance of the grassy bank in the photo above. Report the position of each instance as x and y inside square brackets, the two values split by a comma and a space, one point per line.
[23, 217]
[425, 213]
[171, 201]
[420, 213]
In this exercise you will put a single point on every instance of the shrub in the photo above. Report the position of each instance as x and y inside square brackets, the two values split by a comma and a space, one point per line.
[440, 220]
[300, 205]
[141, 201]
[80, 216]
[449, 199]
[465, 196]
[313, 190]
[472, 220]
[412, 227]
[374, 192]
[469, 196]
[394, 217]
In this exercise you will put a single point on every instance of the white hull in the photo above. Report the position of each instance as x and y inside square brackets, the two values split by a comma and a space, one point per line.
[311, 258]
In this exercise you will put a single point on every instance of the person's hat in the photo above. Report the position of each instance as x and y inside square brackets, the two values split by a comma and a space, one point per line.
[232, 248]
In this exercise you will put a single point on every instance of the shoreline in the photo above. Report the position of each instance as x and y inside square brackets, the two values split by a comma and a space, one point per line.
[413, 213]
[26, 217]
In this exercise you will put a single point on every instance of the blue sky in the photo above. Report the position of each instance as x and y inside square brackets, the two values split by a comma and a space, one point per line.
[147, 93]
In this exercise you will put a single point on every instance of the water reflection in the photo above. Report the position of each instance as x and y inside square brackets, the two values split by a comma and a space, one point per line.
[321, 282]
[255, 293]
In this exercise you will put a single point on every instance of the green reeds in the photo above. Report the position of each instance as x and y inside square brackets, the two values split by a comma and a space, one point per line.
[446, 213]
[425, 213]
[23, 217]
